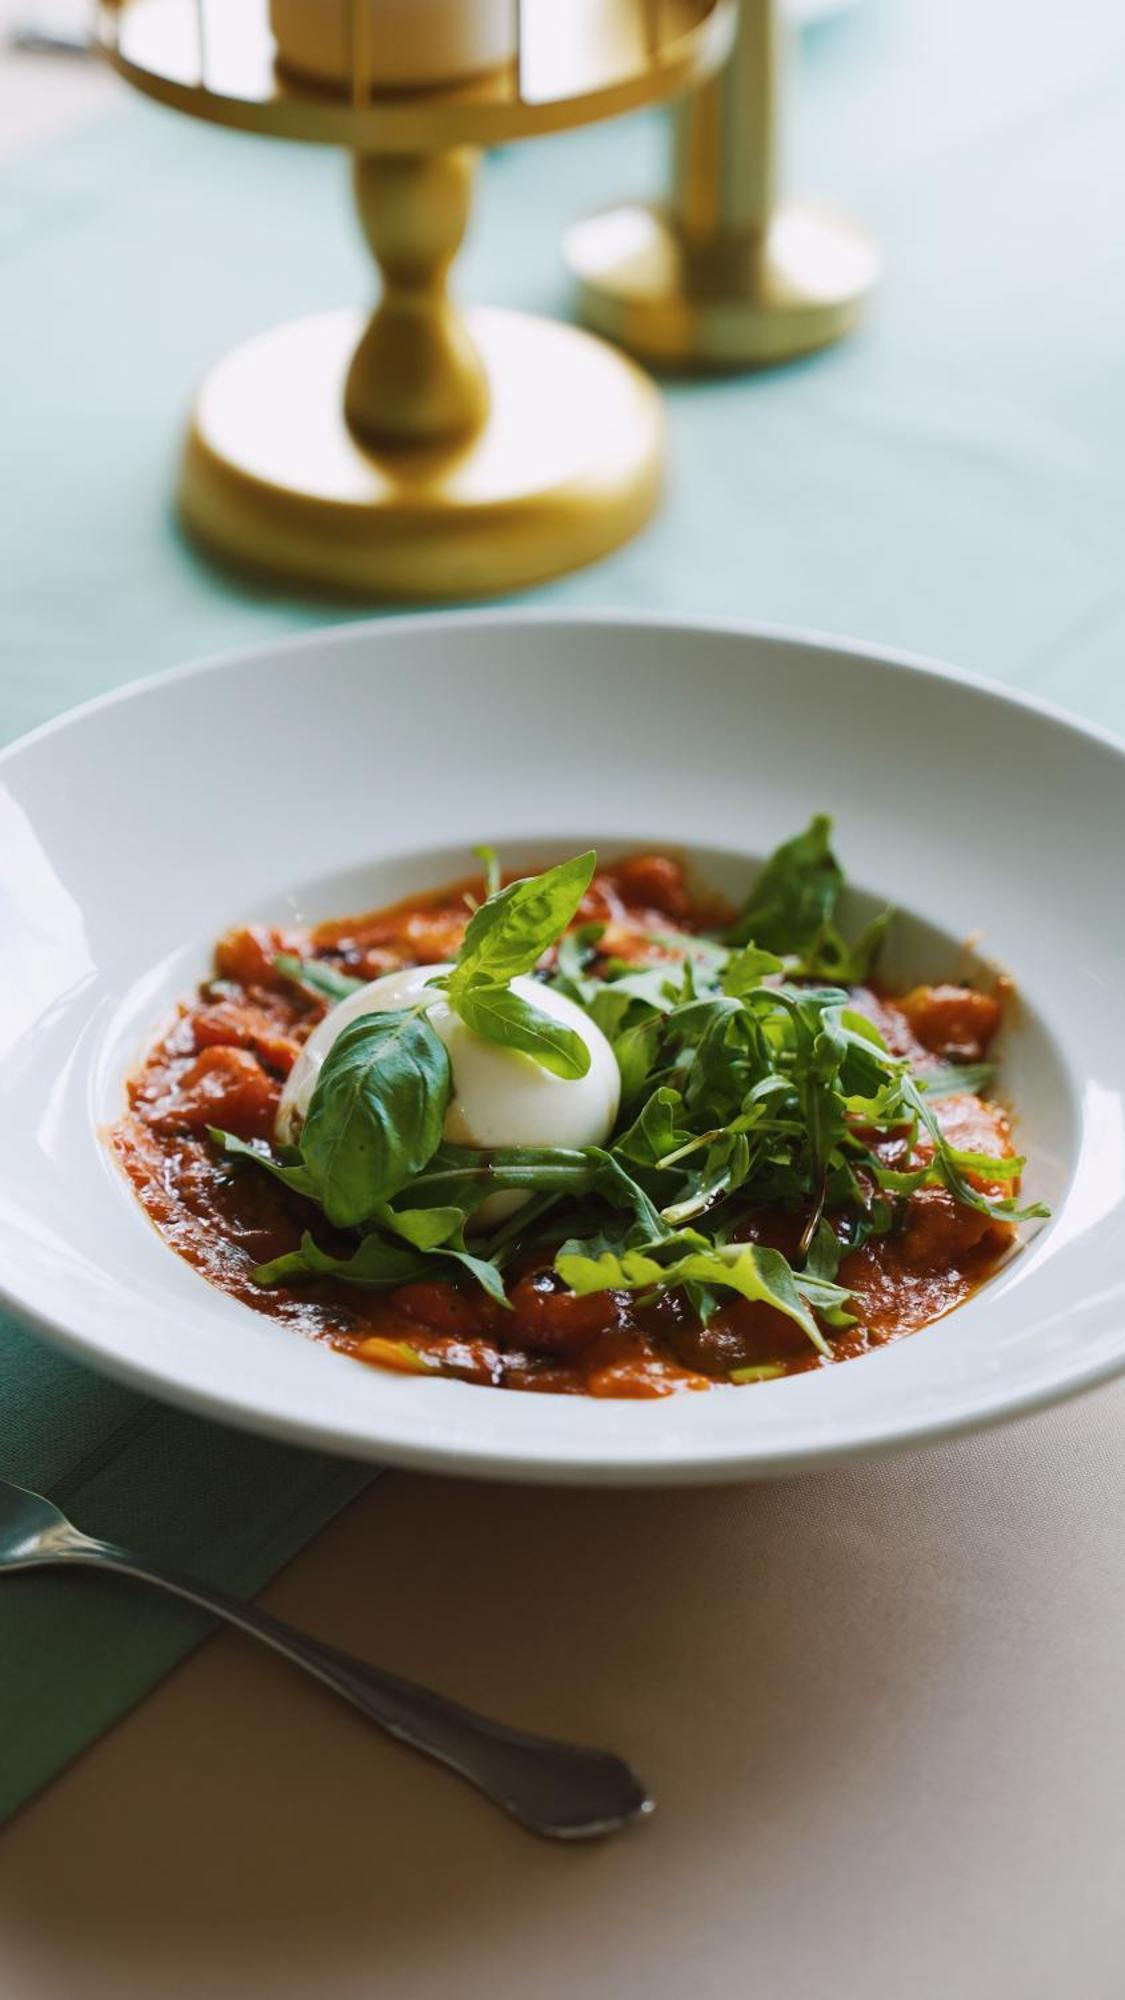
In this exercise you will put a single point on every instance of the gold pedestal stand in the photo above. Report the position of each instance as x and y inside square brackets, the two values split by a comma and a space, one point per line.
[725, 275]
[421, 452]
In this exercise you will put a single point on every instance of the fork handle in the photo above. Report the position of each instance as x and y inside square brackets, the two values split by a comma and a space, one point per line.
[563, 1790]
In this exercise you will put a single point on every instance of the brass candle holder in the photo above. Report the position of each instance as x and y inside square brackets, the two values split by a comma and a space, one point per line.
[420, 452]
[725, 274]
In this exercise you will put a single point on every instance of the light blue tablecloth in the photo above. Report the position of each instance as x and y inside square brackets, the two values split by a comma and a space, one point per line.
[952, 482]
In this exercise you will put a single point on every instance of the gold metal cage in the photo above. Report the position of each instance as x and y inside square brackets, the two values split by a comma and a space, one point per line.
[574, 61]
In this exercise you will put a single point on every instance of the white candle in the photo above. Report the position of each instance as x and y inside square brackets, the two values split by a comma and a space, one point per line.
[409, 42]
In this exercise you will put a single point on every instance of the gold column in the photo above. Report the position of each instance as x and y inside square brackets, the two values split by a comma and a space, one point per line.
[415, 376]
[725, 273]
[423, 452]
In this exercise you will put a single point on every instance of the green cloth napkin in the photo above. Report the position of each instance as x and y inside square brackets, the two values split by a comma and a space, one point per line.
[76, 1651]
[951, 482]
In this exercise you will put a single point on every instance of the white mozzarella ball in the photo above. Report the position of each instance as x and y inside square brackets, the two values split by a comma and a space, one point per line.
[501, 1097]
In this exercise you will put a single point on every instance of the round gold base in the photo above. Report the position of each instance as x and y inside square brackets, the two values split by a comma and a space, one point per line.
[800, 285]
[567, 465]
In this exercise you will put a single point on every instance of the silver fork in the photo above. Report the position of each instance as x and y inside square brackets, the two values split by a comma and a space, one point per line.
[559, 1789]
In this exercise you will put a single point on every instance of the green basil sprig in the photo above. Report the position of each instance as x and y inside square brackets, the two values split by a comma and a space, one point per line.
[507, 937]
[511, 931]
[375, 1116]
[504, 1017]
[374, 1120]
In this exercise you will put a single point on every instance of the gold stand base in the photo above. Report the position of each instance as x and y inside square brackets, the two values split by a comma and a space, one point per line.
[798, 285]
[566, 466]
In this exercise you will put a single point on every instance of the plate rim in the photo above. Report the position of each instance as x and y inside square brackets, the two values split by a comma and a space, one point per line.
[927, 665]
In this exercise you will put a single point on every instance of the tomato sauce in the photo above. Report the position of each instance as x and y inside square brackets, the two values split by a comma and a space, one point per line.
[224, 1059]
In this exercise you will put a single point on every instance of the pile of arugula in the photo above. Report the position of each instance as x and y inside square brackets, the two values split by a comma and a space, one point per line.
[748, 1081]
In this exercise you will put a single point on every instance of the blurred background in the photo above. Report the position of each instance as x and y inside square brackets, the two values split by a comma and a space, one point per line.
[947, 479]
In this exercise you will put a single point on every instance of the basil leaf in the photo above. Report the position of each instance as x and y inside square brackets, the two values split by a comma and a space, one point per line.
[504, 1017]
[375, 1117]
[324, 980]
[490, 862]
[795, 894]
[508, 935]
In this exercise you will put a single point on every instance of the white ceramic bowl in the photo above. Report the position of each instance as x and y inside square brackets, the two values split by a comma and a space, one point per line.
[340, 770]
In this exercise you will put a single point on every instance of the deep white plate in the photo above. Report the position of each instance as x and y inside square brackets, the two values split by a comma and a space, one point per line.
[341, 770]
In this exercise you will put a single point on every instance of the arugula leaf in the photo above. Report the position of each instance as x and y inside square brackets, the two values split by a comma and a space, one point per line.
[504, 1017]
[464, 1176]
[290, 1172]
[953, 1165]
[953, 1078]
[635, 1049]
[792, 906]
[424, 1228]
[487, 1274]
[830, 957]
[756, 1273]
[658, 986]
[375, 1117]
[575, 952]
[795, 894]
[324, 980]
[440, 1232]
[591, 1268]
[747, 968]
[379, 1265]
[760, 1275]
[656, 1132]
[396, 1354]
[375, 1263]
[508, 935]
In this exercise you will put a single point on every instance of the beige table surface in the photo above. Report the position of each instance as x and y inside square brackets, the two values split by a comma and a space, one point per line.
[882, 1711]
